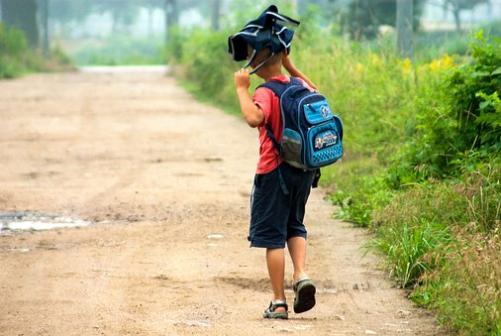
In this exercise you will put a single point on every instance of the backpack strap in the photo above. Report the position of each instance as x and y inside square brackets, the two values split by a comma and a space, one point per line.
[278, 88]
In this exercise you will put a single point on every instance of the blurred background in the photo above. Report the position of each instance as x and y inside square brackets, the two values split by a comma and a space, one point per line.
[109, 32]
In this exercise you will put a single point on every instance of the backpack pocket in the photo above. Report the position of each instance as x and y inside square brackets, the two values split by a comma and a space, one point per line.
[318, 112]
[323, 145]
[291, 147]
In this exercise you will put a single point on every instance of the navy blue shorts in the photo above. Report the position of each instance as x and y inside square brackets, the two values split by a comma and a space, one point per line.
[275, 215]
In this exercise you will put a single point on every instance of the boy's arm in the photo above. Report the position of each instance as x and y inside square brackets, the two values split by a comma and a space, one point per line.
[293, 71]
[253, 115]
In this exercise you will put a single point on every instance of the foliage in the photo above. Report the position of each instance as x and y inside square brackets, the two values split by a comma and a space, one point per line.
[458, 118]
[364, 17]
[456, 6]
[475, 88]
[16, 58]
[358, 190]
[209, 78]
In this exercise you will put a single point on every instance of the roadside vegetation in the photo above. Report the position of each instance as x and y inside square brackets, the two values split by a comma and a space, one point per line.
[17, 58]
[422, 167]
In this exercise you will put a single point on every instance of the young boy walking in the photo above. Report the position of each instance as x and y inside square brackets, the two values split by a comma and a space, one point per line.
[280, 191]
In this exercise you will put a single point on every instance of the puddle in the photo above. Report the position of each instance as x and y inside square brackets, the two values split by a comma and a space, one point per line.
[195, 323]
[26, 220]
[215, 236]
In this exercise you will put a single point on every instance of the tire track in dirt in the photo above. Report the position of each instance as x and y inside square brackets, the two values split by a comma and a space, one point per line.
[167, 180]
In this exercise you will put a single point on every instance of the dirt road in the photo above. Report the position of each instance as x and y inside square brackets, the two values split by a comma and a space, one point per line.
[165, 181]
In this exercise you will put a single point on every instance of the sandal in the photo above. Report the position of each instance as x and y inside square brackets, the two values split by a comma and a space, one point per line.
[305, 295]
[272, 314]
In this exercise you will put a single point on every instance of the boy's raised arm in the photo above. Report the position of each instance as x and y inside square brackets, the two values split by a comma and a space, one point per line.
[252, 114]
[293, 71]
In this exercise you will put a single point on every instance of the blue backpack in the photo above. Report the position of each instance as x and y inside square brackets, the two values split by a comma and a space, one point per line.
[312, 135]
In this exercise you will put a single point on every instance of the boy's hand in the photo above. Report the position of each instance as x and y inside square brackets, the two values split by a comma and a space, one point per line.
[242, 79]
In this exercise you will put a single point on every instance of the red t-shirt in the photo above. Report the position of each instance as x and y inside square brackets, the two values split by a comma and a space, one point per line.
[269, 103]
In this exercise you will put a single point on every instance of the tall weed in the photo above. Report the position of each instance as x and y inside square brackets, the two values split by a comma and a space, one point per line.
[466, 290]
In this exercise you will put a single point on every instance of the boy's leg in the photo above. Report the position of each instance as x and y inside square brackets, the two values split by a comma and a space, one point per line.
[275, 259]
[297, 251]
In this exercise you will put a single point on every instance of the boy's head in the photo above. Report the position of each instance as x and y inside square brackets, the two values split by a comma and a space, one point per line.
[265, 35]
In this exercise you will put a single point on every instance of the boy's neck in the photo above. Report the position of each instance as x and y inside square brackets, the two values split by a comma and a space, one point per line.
[271, 72]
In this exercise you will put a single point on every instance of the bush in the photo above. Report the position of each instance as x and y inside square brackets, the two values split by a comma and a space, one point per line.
[457, 116]
[16, 58]
[13, 52]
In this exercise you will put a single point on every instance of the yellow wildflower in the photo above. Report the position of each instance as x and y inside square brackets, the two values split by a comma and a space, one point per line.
[406, 66]
[444, 63]
[447, 61]
[359, 68]
[375, 59]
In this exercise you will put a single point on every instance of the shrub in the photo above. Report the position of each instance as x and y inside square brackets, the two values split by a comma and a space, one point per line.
[457, 116]
[13, 50]
[16, 58]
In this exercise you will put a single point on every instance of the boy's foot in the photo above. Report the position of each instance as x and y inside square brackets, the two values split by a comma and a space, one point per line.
[277, 310]
[305, 295]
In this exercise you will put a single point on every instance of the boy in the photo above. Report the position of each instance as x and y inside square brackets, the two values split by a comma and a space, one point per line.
[276, 216]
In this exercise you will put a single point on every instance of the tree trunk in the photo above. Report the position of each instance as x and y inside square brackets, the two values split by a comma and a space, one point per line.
[216, 12]
[405, 28]
[171, 17]
[457, 19]
[44, 15]
[150, 20]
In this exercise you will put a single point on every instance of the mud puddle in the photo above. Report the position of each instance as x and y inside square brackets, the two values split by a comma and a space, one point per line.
[34, 221]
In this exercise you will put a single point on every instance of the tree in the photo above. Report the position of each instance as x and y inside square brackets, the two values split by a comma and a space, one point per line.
[171, 16]
[44, 18]
[404, 28]
[66, 11]
[123, 12]
[457, 6]
[364, 17]
[216, 12]
[22, 15]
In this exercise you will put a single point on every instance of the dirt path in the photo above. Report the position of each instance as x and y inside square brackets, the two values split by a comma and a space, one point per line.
[158, 173]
